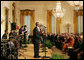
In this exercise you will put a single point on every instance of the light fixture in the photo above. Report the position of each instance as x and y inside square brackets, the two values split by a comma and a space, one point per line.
[58, 12]
[76, 4]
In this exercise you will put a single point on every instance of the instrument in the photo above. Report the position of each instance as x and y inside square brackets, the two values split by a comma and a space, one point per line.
[8, 49]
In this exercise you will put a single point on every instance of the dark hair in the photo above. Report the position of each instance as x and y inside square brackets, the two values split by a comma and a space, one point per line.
[25, 26]
[36, 23]
[6, 30]
[21, 26]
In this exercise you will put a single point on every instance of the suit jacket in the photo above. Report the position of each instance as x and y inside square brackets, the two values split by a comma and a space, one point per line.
[81, 47]
[11, 34]
[36, 35]
[20, 31]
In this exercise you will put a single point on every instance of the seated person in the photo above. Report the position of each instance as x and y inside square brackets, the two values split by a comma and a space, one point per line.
[77, 43]
[77, 52]
[11, 33]
[69, 44]
[80, 55]
[5, 35]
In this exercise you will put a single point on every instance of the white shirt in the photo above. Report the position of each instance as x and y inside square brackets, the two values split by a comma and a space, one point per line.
[38, 28]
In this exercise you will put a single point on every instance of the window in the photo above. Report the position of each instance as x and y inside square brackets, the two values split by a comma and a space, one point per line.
[53, 24]
[80, 23]
[27, 22]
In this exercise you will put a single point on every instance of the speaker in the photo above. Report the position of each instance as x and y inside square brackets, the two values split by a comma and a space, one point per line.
[13, 26]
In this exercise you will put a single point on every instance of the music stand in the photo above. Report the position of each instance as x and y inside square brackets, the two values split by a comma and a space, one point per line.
[45, 48]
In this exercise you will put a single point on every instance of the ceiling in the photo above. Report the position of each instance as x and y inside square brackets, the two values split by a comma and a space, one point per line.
[46, 3]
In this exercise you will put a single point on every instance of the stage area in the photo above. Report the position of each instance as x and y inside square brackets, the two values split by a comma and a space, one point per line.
[28, 52]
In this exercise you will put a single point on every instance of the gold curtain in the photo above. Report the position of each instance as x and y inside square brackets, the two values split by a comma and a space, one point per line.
[58, 22]
[32, 22]
[22, 18]
[75, 22]
[80, 12]
[49, 22]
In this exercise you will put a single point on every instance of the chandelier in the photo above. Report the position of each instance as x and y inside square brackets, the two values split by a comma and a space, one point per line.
[58, 12]
[76, 4]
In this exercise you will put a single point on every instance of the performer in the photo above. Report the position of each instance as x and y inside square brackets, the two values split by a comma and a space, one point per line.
[36, 40]
[11, 34]
[25, 33]
[20, 30]
[20, 37]
[5, 35]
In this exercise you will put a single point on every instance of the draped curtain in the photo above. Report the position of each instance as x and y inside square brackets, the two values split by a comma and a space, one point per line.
[76, 14]
[49, 22]
[22, 18]
[58, 25]
[32, 21]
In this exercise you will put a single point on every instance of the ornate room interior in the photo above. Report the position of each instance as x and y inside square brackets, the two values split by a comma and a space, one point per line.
[58, 17]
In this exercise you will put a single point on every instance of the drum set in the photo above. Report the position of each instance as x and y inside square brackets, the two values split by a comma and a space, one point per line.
[9, 49]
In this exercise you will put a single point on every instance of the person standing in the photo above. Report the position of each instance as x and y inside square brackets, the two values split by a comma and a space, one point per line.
[25, 33]
[20, 36]
[36, 40]
[21, 30]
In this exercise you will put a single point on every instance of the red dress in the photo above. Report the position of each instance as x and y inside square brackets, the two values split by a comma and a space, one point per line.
[70, 43]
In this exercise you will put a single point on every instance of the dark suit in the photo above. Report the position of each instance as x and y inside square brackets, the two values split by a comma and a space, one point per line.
[25, 35]
[36, 40]
[20, 31]
[20, 37]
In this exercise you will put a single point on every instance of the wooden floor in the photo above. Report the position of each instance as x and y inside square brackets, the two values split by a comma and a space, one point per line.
[28, 52]
[59, 52]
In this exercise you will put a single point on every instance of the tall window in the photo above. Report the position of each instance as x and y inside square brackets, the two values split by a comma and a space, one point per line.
[27, 22]
[53, 24]
[80, 23]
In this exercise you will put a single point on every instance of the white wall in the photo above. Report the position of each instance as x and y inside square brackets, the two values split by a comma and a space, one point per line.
[41, 8]
[8, 5]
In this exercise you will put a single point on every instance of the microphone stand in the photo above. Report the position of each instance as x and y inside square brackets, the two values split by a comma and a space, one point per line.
[45, 48]
[44, 41]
